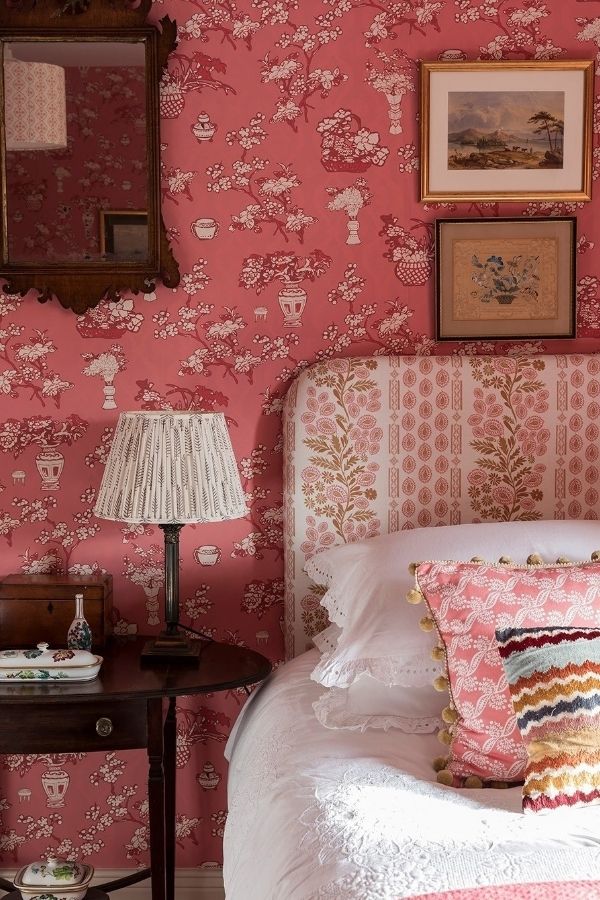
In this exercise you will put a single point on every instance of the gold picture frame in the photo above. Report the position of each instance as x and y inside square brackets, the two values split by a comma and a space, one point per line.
[124, 235]
[510, 130]
[507, 278]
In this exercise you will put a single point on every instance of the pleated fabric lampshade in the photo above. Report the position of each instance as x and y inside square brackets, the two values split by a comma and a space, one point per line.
[171, 467]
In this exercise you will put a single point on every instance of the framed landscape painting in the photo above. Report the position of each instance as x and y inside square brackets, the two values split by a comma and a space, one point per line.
[506, 130]
[505, 278]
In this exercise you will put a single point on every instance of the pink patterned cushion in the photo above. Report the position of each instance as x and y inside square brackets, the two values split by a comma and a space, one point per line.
[468, 601]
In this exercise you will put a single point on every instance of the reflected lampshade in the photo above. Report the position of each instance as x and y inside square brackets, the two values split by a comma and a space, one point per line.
[35, 113]
[171, 467]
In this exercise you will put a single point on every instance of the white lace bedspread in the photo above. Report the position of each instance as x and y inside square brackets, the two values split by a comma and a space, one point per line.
[316, 813]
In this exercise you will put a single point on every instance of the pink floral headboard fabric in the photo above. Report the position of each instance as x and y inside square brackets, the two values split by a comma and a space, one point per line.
[374, 445]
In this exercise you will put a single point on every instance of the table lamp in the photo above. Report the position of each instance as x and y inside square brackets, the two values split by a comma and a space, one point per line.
[169, 469]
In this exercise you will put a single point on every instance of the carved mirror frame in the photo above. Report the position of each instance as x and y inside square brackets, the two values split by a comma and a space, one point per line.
[80, 286]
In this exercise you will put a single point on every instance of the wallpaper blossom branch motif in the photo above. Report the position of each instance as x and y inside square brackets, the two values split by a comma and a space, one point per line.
[289, 180]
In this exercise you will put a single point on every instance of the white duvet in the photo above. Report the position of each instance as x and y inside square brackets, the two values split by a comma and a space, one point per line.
[316, 813]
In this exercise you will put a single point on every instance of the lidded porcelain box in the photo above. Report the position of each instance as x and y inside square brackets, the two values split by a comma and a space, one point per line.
[46, 664]
[54, 879]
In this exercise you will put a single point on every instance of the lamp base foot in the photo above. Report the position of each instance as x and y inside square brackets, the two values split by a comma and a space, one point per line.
[172, 648]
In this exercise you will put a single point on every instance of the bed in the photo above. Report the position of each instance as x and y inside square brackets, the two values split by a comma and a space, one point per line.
[383, 446]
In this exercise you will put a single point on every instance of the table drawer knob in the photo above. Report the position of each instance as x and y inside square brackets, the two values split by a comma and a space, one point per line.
[104, 727]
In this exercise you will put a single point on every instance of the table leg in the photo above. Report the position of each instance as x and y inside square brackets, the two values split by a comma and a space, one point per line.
[170, 739]
[156, 798]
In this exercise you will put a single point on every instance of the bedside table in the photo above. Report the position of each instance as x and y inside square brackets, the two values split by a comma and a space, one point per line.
[123, 709]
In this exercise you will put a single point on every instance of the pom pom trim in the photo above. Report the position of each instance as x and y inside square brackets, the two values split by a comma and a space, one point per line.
[414, 597]
[472, 781]
[440, 683]
[444, 736]
[449, 715]
[534, 559]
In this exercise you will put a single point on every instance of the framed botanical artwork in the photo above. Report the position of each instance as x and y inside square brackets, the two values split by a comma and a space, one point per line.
[124, 235]
[506, 130]
[505, 278]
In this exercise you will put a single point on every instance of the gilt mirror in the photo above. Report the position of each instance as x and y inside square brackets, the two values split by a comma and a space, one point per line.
[80, 150]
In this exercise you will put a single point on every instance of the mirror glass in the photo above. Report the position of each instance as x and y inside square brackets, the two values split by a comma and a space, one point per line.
[77, 172]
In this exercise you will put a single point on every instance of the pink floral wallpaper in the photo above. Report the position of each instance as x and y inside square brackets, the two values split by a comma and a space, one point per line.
[290, 186]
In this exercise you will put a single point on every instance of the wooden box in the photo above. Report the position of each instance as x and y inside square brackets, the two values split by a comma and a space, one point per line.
[36, 608]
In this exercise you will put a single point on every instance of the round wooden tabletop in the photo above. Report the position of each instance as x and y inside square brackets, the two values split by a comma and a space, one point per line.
[124, 675]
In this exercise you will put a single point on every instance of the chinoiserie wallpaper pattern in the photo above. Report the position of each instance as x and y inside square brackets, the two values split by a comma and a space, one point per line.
[290, 192]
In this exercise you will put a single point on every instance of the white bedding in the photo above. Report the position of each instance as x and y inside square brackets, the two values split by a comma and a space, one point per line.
[317, 813]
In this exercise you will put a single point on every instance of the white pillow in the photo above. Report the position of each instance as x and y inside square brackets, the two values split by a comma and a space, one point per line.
[374, 631]
[368, 703]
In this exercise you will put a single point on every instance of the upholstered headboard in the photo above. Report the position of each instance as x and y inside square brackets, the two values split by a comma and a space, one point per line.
[378, 444]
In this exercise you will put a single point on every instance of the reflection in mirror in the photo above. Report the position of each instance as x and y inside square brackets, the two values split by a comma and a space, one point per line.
[76, 151]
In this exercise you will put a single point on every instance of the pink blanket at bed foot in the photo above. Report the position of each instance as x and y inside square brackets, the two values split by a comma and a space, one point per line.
[549, 890]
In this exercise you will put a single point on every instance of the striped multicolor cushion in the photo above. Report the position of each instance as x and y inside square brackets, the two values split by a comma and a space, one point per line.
[554, 680]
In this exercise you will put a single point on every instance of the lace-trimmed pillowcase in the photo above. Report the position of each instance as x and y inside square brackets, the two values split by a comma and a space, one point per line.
[368, 703]
[467, 603]
[554, 680]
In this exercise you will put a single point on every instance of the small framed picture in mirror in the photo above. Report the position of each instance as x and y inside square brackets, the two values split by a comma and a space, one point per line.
[124, 235]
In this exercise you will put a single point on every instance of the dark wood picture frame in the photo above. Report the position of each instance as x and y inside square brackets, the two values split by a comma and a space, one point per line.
[509, 278]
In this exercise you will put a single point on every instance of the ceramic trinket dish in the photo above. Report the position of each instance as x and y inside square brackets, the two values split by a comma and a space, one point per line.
[54, 879]
[46, 664]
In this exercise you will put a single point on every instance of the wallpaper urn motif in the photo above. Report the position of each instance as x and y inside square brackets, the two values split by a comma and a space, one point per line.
[392, 78]
[205, 229]
[207, 555]
[260, 271]
[292, 300]
[350, 200]
[49, 463]
[203, 128]
[55, 782]
[208, 779]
